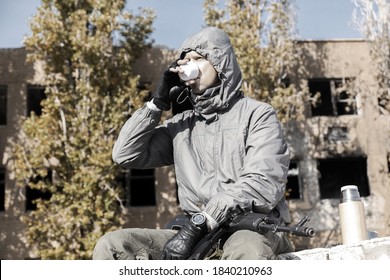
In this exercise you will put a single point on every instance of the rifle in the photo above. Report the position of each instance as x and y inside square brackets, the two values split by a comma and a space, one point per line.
[251, 221]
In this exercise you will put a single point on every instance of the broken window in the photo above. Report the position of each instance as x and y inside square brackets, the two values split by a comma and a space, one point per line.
[336, 97]
[35, 95]
[3, 105]
[293, 190]
[2, 189]
[337, 172]
[139, 187]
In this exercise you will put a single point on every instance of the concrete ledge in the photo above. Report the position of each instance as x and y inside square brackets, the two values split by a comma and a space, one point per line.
[373, 249]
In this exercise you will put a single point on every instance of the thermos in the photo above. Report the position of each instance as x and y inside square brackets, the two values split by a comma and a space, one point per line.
[352, 216]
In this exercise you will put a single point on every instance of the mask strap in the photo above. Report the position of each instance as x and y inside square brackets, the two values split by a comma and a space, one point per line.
[186, 92]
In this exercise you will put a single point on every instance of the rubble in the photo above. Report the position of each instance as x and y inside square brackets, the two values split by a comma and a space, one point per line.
[372, 249]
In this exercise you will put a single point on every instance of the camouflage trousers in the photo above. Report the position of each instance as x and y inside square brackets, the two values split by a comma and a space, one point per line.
[147, 244]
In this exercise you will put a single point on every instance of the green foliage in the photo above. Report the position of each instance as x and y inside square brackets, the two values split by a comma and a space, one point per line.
[262, 32]
[87, 48]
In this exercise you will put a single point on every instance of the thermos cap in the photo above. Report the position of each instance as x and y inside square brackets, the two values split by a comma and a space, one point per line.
[352, 187]
[349, 193]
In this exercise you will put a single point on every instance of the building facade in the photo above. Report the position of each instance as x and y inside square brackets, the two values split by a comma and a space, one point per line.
[345, 139]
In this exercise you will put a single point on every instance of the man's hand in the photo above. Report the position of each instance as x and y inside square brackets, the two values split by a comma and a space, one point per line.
[180, 246]
[169, 79]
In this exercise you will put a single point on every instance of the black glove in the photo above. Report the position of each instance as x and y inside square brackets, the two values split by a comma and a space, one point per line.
[161, 97]
[180, 246]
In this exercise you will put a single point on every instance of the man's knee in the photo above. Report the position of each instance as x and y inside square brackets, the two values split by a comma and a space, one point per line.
[102, 247]
[132, 243]
[247, 245]
[115, 245]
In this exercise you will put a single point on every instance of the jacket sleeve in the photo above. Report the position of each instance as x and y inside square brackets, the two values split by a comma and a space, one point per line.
[261, 184]
[142, 143]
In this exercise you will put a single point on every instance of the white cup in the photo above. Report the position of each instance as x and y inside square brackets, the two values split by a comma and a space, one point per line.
[191, 71]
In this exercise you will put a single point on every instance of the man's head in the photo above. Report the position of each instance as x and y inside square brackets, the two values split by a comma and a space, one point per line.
[213, 48]
[207, 75]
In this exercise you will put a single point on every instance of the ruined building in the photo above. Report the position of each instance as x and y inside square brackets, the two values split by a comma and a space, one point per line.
[345, 139]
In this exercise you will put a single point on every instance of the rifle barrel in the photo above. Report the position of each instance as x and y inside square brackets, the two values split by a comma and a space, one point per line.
[299, 231]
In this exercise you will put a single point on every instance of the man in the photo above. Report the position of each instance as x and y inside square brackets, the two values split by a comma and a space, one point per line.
[229, 153]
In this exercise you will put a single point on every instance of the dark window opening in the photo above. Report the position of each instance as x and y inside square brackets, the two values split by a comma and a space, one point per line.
[324, 106]
[338, 172]
[3, 105]
[33, 194]
[293, 190]
[2, 189]
[35, 95]
[388, 163]
[335, 97]
[139, 187]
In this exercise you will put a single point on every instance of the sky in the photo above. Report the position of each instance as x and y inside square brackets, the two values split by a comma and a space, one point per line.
[178, 19]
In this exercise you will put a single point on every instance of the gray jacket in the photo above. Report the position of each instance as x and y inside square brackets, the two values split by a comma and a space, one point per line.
[229, 152]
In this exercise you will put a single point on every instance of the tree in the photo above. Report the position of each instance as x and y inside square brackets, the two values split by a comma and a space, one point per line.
[372, 18]
[262, 34]
[87, 48]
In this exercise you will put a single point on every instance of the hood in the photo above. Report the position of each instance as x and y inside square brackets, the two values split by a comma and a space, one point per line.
[214, 44]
